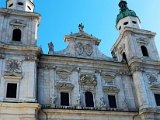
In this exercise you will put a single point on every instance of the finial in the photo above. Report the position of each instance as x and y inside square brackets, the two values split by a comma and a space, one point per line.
[81, 27]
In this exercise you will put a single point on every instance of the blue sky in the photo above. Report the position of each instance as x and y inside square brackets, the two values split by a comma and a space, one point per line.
[61, 17]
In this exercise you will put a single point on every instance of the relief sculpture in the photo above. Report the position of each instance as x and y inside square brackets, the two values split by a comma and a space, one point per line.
[84, 49]
[13, 66]
[86, 79]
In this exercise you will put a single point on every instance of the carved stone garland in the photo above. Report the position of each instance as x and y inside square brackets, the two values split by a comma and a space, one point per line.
[87, 80]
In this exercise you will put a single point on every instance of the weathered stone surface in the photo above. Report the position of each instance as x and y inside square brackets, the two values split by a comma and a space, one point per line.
[128, 80]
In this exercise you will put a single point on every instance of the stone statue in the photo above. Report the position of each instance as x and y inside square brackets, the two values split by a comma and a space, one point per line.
[51, 48]
[81, 27]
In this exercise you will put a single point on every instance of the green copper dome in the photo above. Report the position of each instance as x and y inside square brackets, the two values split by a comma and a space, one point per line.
[124, 11]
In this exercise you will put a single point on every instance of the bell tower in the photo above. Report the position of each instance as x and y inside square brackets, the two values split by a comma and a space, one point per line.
[136, 48]
[18, 60]
[133, 42]
[24, 5]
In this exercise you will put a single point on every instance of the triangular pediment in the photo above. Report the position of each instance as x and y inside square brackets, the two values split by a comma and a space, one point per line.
[12, 76]
[81, 36]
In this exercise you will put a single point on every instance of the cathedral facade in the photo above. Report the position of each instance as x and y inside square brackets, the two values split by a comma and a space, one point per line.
[80, 82]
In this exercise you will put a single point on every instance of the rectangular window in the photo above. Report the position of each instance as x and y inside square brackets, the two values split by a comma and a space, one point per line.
[112, 101]
[64, 99]
[157, 98]
[11, 90]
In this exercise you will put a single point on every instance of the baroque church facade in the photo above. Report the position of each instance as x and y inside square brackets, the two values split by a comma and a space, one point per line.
[80, 82]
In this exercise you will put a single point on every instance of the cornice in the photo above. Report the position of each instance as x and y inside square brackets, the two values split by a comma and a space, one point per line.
[20, 48]
[149, 110]
[131, 30]
[141, 65]
[7, 12]
[148, 63]
[82, 36]
[75, 60]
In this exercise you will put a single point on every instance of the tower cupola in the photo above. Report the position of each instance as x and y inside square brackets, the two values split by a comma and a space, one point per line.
[126, 17]
[23, 5]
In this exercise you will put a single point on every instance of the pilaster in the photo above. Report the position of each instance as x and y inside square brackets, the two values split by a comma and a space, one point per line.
[99, 91]
[76, 100]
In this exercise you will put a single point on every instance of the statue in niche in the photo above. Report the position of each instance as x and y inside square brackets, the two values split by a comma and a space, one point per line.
[51, 47]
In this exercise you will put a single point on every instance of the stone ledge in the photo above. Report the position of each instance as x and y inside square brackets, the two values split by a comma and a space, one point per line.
[85, 114]
[19, 108]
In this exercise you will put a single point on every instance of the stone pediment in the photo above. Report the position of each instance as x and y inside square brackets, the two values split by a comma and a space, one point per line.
[111, 89]
[155, 86]
[62, 85]
[82, 45]
[12, 76]
[82, 36]
[63, 75]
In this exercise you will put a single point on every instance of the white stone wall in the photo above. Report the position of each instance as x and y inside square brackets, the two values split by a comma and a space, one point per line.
[47, 85]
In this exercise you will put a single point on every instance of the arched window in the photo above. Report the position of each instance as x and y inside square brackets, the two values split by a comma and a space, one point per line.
[89, 99]
[124, 58]
[16, 35]
[144, 51]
